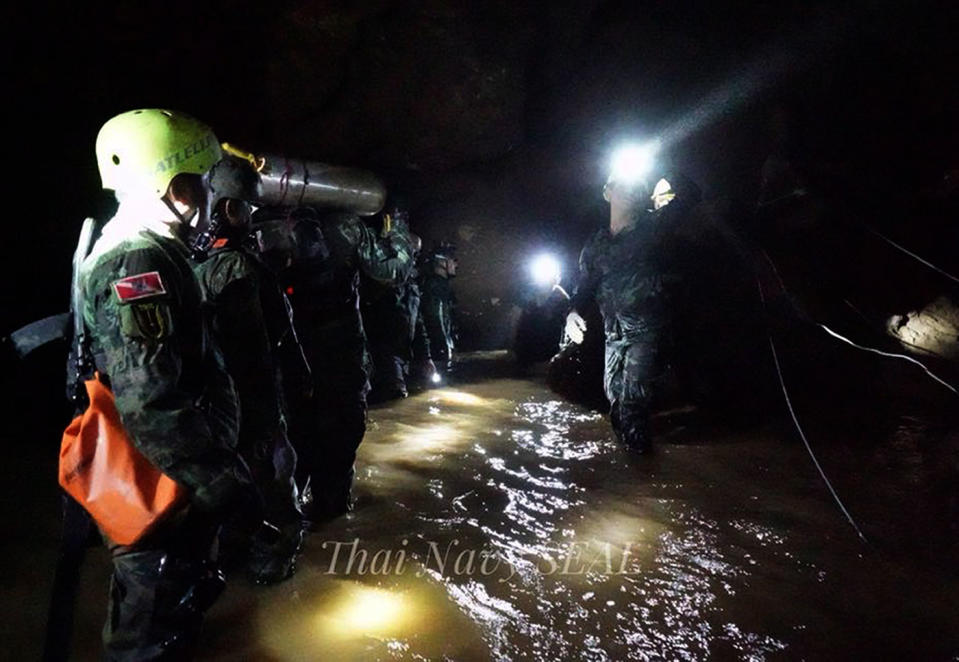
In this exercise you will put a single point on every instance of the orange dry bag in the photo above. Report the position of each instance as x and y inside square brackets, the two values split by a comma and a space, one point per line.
[101, 468]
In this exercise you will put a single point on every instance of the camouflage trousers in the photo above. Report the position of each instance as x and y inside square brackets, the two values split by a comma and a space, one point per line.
[328, 429]
[634, 366]
[389, 377]
[269, 559]
[272, 463]
[158, 594]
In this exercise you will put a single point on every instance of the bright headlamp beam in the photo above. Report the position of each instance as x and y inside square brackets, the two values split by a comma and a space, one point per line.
[804, 47]
[632, 163]
[545, 270]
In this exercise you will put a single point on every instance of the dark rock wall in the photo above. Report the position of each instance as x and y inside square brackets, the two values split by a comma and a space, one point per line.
[495, 118]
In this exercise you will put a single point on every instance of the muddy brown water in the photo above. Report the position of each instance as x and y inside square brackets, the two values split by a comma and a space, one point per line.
[497, 522]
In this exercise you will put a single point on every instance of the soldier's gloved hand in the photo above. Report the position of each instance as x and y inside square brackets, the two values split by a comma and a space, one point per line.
[575, 327]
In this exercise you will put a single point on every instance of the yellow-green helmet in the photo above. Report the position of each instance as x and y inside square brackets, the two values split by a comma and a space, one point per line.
[140, 151]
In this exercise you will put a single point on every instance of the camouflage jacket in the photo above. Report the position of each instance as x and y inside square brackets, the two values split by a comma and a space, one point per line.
[251, 324]
[143, 311]
[331, 252]
[390, 314]
[632, 276]
[436, 305]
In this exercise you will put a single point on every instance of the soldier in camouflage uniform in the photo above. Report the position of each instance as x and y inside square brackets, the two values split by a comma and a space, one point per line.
[392, 321]
[629, 269]
[329, 251]
[253, 327]
[142, 310]
[421, 368]
[438, 302]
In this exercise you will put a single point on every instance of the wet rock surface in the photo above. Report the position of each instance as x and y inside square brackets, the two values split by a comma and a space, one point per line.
[934, 328]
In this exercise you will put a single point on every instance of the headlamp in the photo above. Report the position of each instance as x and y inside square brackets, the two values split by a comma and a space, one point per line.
[632, 163]
[545, 270]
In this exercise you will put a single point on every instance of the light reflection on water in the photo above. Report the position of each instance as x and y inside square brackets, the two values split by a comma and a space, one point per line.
[528, 534]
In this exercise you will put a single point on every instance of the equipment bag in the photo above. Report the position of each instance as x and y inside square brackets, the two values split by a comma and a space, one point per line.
[101, 468]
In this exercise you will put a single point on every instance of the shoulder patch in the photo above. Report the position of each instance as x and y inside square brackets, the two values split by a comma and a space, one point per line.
[140, 286]
[149, 320]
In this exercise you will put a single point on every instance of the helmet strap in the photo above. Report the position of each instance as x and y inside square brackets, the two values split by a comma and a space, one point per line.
[185, 219]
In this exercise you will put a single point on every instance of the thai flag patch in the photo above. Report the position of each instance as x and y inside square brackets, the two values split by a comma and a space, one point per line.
[140, 286]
